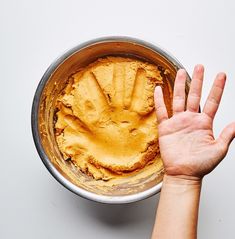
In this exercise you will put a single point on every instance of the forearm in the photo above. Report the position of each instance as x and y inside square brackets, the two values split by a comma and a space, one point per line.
[177, 213]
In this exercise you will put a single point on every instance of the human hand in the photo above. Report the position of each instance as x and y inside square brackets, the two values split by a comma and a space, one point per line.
[187, 144]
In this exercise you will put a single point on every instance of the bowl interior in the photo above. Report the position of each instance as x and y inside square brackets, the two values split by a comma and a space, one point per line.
[54, 81]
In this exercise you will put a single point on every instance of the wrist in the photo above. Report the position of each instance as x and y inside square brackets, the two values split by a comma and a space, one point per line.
[178, 207]
[182, 180]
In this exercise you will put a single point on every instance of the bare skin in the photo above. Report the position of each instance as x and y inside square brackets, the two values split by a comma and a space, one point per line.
[189, 152]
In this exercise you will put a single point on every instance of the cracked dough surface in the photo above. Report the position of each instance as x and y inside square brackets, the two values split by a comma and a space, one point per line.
[106, 122]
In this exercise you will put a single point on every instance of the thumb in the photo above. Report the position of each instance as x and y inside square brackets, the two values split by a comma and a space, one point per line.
[227, 135]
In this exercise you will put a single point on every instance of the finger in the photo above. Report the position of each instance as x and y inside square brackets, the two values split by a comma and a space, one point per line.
[195, 90]
[213, 100]
[160, 105]
[179, 91]
[227, 135]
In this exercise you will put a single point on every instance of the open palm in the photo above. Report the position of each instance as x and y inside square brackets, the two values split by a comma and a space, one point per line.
[187, 144]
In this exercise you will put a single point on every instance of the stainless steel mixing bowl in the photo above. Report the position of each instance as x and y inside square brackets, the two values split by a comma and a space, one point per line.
[43, 109]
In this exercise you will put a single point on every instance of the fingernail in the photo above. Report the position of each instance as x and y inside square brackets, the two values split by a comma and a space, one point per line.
[181, 72]
[221, 75]
[199, 68]
[157, 87]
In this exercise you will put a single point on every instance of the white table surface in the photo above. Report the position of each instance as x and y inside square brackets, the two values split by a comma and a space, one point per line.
[32, 34]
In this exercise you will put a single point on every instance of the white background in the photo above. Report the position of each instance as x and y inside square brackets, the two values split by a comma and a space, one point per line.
[32, 35]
